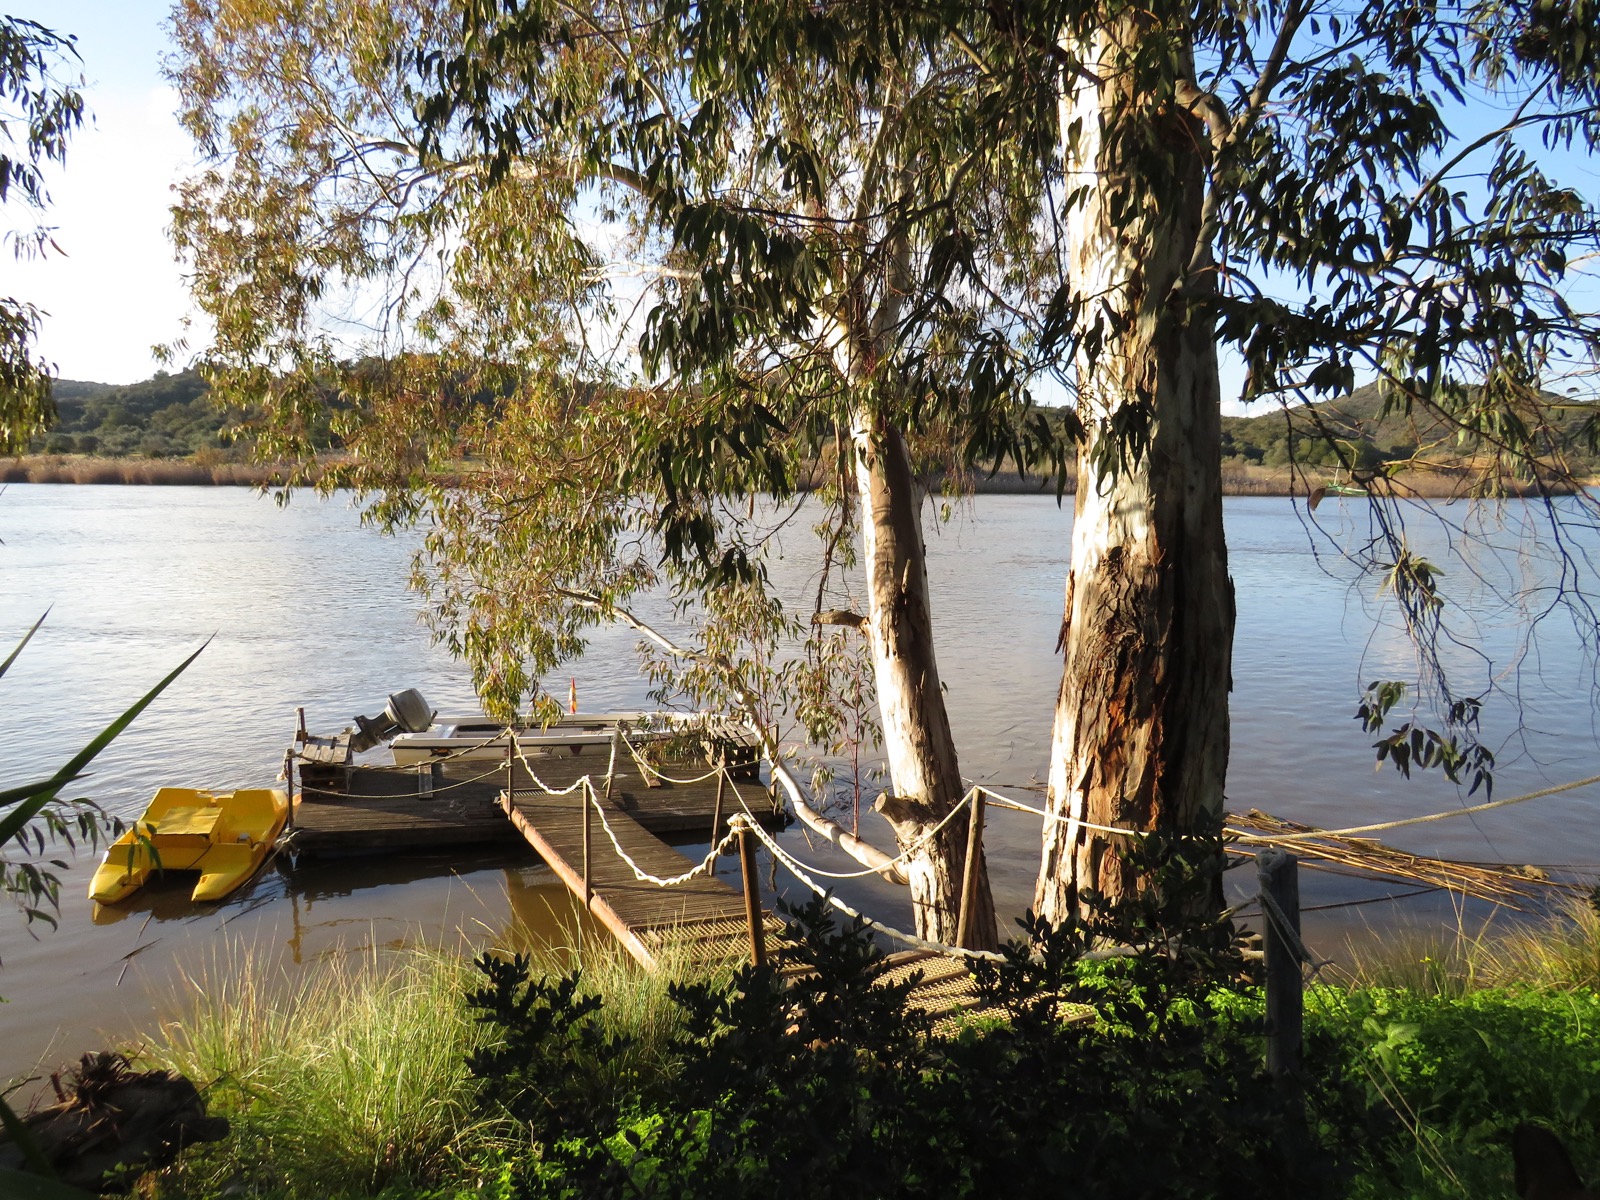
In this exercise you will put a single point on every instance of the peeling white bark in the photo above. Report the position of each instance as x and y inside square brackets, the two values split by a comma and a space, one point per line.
[916, 728]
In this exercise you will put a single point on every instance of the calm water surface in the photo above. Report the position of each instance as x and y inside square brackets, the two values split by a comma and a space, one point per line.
[305, 607]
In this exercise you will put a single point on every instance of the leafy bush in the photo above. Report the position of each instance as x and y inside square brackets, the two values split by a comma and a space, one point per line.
[1464, 1071]
[832, 1085]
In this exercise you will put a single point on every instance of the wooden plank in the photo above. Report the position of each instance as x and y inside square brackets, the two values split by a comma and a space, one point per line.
[624, 904]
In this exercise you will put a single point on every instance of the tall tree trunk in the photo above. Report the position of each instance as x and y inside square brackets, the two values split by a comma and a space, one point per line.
[916, 728]
[1141, 724]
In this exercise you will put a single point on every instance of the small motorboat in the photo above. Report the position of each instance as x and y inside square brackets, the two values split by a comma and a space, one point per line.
[478, 737]
[225, 836]
[416, 734]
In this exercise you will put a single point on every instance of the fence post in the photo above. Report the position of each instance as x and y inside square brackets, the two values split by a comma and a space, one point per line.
[511, 779]
[970, 874]
[752, 895]
[288, 786]
[1278, 872]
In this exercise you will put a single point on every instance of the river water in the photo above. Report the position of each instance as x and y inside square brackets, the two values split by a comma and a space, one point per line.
[304, 606]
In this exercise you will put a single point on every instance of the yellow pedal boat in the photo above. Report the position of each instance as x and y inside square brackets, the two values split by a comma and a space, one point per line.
[225, 836]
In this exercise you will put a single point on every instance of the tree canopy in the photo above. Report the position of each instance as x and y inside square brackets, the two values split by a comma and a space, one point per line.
[39, 111]
[844, 238]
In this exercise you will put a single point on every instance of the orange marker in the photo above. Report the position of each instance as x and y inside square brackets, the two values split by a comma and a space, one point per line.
[572, 696]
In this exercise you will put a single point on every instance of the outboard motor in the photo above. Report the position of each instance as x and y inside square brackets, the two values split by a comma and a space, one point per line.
[407, 712]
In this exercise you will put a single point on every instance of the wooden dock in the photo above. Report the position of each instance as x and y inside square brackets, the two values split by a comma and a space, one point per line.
[355, 809]
[703, 919]
[466, 802]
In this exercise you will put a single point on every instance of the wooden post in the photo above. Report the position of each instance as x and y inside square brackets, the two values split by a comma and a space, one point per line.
[969, 877]
[752, 896]
[511, 779]
[587, 792]
[300, 734]
[716, 812]
[288, 786]
[612, 772]
[1278, 872]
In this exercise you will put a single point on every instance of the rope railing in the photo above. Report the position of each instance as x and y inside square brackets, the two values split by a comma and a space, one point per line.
[809, 874]
[705, 864]
[433, 789]
[1003, 801]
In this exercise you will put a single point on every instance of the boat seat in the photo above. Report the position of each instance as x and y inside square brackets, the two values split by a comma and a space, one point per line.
[251, 810]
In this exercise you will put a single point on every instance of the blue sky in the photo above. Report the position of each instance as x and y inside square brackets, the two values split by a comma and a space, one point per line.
[117, 291]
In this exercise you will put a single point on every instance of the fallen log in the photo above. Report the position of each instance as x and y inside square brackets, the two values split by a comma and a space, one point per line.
[112, 1124]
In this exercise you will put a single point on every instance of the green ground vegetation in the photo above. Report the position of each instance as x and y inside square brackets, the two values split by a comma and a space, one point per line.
[418, 1075]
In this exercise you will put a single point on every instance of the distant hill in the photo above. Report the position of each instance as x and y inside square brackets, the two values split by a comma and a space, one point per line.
[1372, 437]
[171, 416]
[166, 416]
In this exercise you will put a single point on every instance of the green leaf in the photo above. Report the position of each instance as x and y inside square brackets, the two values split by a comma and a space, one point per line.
[28, 809]
[26, 638]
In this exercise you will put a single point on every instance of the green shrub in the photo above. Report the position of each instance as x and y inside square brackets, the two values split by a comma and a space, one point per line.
[1462, 1072]
[832, 1085]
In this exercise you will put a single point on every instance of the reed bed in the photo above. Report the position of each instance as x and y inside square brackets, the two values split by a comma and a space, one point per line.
[1558, 951]
[173, 472]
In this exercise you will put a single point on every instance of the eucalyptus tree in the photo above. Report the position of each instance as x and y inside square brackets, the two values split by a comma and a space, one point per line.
[1330, 190]
[792, 244]
[1327, 189]
[39, 111]
[846, 270]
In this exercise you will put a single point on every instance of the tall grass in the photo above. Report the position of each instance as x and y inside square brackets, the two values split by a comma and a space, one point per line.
[350, 1077]
[1560, 950]
[338, 1081]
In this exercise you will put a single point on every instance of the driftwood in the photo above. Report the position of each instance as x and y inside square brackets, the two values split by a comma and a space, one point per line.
[112, 1124]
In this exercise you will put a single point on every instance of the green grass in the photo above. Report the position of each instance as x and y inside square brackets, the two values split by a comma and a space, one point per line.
[349, 1079]
[1463, 1033]
[338, 1081]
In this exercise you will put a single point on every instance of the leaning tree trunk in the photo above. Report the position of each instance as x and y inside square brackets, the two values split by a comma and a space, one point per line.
[916, 728]
[1141, 725]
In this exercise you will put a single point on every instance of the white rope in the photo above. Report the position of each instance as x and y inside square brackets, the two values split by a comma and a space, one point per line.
[648, 769]
[1438, 816]
[639, 872]
[566, 791]
[910, 939]
[903, 856]
[1002, 801]
[432, 789]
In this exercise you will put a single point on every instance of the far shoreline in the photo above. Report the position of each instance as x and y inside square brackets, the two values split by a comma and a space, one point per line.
[1237, 479]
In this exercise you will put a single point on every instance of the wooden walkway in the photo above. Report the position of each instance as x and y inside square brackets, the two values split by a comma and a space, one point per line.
[466, 802]
[703, 919]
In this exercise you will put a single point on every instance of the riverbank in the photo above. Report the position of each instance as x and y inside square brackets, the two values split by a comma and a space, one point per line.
[384, 1077]
[1237, 480]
